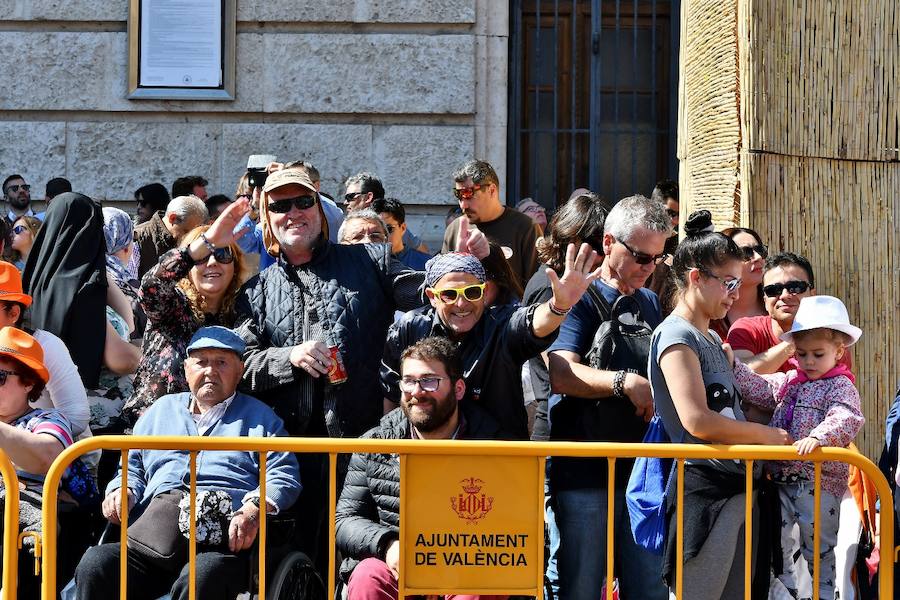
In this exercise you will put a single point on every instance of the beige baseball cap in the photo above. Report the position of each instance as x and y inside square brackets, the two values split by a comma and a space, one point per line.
[287, 177]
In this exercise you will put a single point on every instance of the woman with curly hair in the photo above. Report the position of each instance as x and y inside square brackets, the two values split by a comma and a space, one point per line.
[191, 287]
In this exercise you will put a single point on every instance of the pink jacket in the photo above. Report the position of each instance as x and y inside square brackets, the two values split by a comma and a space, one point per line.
[827, 409]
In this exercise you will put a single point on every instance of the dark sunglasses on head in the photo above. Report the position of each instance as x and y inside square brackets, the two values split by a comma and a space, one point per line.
[284, 206]
[467, 193]
[19, 229]
[17, 187]
[472, 293]
[793, 287]
[749, 251]
[644, 259]
[4, 375]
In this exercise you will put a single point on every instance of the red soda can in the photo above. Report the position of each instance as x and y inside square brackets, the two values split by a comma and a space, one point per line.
[337, 373]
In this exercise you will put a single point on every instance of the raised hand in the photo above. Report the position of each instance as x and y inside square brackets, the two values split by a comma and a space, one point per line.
[576, 278]
[472, 241]
[221, 232]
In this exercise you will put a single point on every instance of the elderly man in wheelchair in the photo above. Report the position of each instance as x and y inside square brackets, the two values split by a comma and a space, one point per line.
[228, 502]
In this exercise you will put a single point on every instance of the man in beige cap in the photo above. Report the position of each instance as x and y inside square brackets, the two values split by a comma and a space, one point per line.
[315, 323]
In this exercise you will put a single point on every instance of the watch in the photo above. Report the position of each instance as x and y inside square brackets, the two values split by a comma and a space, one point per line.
[255, 501]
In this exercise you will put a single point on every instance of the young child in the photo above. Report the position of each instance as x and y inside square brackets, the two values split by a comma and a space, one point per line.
[818, 404]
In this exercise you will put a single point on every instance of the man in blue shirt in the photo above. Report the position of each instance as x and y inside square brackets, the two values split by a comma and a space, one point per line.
[212, 408]
[602, 405]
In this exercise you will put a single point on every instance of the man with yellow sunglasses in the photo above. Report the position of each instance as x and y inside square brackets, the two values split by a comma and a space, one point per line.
[494, 341]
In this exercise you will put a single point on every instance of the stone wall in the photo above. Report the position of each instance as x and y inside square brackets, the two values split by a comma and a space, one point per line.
[404, 88]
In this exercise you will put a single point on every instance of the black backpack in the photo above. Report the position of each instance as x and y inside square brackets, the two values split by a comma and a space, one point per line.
[622, 342]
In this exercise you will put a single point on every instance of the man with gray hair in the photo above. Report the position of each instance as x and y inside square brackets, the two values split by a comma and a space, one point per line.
[363, 226]
[365, 188]
[609, 403]
[166, 228]
[477, 189]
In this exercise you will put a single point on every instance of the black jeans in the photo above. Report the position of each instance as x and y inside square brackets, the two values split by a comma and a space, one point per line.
[219, 575]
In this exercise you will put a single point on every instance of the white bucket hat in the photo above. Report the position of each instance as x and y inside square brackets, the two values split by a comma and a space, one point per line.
[822, 312]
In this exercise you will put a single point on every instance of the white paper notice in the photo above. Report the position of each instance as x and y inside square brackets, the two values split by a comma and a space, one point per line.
[181, 43]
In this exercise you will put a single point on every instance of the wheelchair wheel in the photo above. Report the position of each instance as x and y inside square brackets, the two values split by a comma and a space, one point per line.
[296, 579]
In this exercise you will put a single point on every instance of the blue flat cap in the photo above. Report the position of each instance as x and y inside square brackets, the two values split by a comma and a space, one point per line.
[217, 337]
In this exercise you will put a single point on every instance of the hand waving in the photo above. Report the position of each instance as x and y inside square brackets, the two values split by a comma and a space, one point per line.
[568, 289]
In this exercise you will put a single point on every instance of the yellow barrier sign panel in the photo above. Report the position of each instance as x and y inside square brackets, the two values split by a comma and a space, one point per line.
[472, 524]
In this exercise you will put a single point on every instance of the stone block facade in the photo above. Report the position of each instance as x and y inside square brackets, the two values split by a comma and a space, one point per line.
[403, 88]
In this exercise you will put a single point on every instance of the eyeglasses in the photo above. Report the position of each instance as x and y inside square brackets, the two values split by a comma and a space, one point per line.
[17, 187]
[428, 384]
[4, 375]
[223, 256]
[284, 206]
[19, 229]
[467, 193]
[349, 197]
[472, 293]
[749, 251]
[730, 284]
[644, 259]
[795, 287]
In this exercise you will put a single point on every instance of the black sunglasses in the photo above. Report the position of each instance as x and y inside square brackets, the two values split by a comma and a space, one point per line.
[749, 251]
[284, 206]
[21, 186]
[793, 287]
[351, 196]
[644, 259]
[223, 256]
[4, 375]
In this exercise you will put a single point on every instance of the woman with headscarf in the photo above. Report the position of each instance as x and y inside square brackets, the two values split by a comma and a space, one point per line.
[190, 287]
[119, 232]
[66, 277]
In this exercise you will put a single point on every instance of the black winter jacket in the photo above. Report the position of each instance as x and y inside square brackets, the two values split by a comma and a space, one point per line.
[492, 354]
[368, 511]
[358, 288]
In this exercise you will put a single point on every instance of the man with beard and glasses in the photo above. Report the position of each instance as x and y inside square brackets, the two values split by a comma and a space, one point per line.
[368, 511]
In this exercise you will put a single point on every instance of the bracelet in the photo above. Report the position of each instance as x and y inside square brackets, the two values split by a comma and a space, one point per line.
[557, 311]
[209, 245]
[618, 386]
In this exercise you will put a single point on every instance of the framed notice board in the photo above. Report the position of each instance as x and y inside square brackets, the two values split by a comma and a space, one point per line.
[181, 49]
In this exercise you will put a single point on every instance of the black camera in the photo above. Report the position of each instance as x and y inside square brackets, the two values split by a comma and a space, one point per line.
[256, 169]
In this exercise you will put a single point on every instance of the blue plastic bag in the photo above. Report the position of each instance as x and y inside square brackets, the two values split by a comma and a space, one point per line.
[645, 495]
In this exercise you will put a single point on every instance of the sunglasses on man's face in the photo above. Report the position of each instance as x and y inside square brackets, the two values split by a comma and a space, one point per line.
[469, 192]
[351, 196]
[644, 259]
[774, 290]
[749, 251]
[472, 293]
[21, 186]
[4, 375]
[284, 206]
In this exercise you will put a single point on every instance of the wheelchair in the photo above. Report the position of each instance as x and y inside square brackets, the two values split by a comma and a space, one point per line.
[291, 574]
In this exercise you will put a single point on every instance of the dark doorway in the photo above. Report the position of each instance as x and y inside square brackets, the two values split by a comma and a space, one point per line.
[593, 97]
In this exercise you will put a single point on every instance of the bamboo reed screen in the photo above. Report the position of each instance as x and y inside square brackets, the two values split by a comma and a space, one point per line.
[789, 122]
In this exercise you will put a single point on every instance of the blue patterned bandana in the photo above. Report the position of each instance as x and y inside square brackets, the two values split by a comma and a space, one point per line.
[117, 228]
[452, 262]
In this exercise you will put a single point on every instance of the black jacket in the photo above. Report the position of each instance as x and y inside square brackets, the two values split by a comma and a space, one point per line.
[492, 354]
[357, 288]
[368, 511]
[153, 240]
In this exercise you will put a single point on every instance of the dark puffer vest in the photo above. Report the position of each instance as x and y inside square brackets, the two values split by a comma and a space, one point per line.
[356, 290]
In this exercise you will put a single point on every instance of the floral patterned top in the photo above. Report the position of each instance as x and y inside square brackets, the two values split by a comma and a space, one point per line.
[170, 325]
[827, 409]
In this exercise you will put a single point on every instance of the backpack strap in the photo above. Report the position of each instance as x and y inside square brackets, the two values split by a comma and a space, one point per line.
[600, 304]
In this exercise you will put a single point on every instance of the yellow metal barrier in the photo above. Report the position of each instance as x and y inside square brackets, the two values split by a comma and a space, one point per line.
[10, 528]
[333, 447]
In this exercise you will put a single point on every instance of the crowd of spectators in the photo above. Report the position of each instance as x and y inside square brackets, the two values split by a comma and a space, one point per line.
[277, 311]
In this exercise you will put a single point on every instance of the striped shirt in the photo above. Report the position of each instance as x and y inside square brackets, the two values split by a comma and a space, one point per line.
[46, 421]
